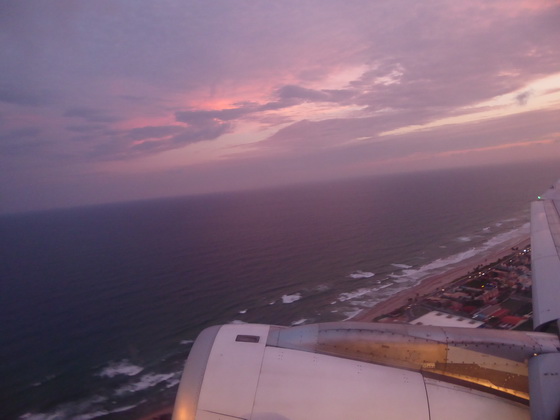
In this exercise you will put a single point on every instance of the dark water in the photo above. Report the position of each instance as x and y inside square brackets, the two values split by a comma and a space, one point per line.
[98, 305]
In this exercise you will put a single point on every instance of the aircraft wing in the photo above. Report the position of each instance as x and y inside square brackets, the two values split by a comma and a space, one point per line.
[545, 254]
[544, 377]
[356, 371]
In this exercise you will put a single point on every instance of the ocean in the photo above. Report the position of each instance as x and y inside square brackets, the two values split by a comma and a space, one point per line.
[100, 305]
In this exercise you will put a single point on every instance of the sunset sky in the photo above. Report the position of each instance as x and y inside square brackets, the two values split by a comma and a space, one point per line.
[107, 101]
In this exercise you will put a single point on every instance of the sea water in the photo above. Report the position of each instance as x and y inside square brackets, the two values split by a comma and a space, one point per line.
[100, 305]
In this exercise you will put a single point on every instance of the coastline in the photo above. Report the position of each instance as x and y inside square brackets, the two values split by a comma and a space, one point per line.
[425, 287]
[431, 283]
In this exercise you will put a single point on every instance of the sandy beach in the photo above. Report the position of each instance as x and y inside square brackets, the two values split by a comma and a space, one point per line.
[432, 283]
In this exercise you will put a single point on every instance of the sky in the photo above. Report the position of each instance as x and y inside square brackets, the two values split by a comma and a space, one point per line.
[110, 101]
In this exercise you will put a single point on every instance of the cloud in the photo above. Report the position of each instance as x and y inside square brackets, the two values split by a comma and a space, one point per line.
[298, 92]
[241, 111]
[319, 82]
[195, 117]
[134, 98]
[20, 141]
[23, 97]
[351, 141]
[150, 132]
[91, 115]
[492, 134]
[142, 141]
[284, 97]
[202, 131]
[85, 128]
[20, 133]
[312, 95]
[523, 97]
[223, 120]
[306, 136]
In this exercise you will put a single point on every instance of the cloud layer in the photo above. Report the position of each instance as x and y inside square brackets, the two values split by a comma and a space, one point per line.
[104, 91]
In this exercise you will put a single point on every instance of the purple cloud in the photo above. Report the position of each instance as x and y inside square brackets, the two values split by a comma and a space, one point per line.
[128, 144]
[20, 141]
[24, 97]
[91, 115]
[151, 132]
[523, 97]
[313, 95]
[298, 87]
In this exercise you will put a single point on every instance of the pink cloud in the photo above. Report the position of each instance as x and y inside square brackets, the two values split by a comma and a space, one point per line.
[121, 82]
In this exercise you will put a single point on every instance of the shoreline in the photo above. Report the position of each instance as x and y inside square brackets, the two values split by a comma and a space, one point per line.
[424, 288]
[430, 284]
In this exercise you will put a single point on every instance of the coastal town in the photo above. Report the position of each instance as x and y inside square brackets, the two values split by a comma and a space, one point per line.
[497, 296]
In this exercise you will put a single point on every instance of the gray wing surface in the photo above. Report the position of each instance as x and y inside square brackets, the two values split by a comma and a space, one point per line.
[545, 242]
[544, 369]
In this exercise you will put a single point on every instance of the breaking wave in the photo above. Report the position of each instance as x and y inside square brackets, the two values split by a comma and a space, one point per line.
[124, 367]
[83, 410]
[146, 381]
[352, 314]
[402, 266]
[361, 274]
[291, 298]
[507, 236]
[343, 297]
